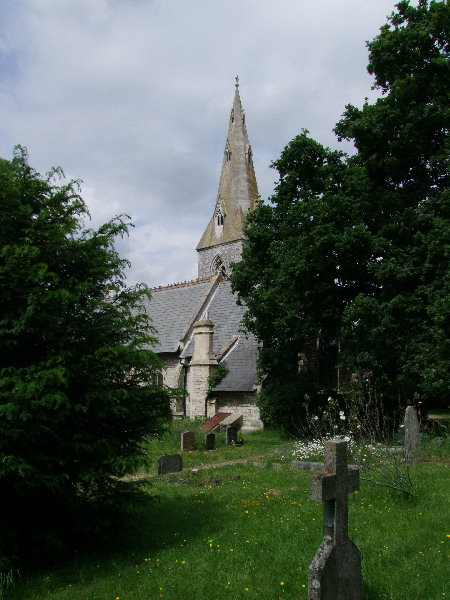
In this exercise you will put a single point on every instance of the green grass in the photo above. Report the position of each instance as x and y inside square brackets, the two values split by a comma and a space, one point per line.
[440, 413]
[435, 448]
[253, 535]
[257, 444]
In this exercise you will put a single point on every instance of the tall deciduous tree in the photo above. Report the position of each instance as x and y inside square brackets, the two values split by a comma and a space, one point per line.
[400, 334]
[358, 247]
[76, 365]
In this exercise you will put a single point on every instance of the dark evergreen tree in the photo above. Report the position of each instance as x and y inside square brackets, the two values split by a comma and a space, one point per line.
[76, 365]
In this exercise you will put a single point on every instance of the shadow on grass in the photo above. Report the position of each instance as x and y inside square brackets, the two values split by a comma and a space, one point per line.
[370, 592]
[161, 514]
[152, 519]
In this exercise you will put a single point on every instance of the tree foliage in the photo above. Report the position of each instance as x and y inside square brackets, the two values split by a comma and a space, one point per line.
[76, 365]
[356, 249]
[400, 334]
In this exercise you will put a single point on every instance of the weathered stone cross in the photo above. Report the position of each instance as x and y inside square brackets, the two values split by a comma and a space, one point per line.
[335, 572]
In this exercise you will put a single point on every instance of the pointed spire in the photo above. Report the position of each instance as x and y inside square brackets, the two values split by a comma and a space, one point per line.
[238, 190]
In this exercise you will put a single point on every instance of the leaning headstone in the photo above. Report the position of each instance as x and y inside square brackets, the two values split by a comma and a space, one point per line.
[214, 421]
[335, 572]
[231, 435]
[412, 433]
[187, 441]
[234, 419]
[210, 441]
[169, 463]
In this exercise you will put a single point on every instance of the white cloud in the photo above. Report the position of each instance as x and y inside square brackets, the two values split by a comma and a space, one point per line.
[133, 97]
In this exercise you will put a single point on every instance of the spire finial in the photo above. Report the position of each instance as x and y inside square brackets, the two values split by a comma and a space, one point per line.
[237, 80]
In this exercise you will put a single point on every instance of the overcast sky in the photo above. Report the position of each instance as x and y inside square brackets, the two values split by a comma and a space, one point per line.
[133, 97]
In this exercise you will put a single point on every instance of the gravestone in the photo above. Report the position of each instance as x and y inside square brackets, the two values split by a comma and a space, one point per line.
[169, 463]
[187, 441]
[234, 419]
[214, 421]
[231, 435]
[210, 441]
[412, 433]
[335, 572]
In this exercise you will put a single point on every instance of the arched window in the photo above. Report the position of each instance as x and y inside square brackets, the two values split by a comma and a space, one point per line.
[158, 378]
[218, 266]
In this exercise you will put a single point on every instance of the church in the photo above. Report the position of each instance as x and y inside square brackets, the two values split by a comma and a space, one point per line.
[198, 323]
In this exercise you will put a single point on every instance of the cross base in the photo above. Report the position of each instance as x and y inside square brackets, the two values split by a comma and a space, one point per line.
[335, 572]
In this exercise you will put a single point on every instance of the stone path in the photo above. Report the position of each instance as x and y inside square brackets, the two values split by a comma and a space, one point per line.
[201, 467]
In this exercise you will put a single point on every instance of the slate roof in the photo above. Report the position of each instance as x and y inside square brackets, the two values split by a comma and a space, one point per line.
[171, 308]
[174, 309]
[241, 357]
[241, 362]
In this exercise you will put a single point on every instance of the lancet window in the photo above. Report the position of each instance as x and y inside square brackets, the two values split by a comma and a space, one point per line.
[218, 266]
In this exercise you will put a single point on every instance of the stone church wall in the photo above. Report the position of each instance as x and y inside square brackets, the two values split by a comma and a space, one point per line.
[237, 402]
[172, 371]
[173, 377]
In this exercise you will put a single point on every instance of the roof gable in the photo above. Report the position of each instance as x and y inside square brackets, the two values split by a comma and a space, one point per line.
[173, 309]
[239, 349]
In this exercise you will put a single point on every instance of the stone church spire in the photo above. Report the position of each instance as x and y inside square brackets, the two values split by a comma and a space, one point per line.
[221, 243]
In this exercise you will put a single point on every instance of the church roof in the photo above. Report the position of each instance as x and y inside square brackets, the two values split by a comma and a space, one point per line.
[241, 349]
[238, 190]
[174, 309]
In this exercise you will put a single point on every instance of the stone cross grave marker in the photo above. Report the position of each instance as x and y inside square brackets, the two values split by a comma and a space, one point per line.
[169, 463]
[230, 435]
[412, 433]
[210, 441]
[335, 572]
[187, 441]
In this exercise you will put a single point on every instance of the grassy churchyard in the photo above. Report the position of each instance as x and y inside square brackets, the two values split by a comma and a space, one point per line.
[248, 530]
